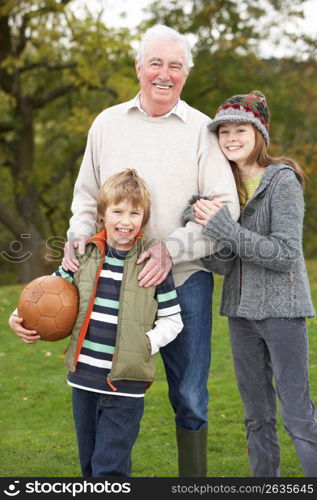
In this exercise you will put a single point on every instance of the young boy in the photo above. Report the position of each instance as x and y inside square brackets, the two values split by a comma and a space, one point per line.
[119, 329]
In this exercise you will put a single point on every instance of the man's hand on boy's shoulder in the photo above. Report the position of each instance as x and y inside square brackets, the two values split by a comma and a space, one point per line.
[70, 261]
[157, 267]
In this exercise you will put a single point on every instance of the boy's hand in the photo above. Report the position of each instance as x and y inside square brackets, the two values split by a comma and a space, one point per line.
[28, 336]
[69, 262]
[158, 266]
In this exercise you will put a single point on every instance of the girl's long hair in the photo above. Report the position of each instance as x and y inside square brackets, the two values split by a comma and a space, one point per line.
[260, 156]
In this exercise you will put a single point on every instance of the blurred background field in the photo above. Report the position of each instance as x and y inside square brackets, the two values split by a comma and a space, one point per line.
[36, 427]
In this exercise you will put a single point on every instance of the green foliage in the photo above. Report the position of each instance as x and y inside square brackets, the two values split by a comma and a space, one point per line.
[57, 72]
[38, 437]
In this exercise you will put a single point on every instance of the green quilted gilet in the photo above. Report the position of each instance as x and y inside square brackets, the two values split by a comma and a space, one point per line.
[137, 313]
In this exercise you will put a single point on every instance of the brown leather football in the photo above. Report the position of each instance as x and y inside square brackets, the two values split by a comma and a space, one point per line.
[49, 305]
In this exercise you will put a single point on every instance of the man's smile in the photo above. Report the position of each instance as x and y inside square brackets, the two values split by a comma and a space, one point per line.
[163, 86]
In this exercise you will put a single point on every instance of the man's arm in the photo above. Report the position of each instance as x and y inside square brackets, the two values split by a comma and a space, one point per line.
[87, 185]
[82, 224]
[216, 182]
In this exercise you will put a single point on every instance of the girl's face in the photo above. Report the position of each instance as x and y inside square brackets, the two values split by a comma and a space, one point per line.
[237, 141]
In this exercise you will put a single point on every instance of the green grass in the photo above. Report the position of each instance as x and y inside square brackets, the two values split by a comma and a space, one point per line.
[36, 427]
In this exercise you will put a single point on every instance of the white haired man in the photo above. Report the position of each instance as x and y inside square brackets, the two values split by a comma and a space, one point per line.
[168, 143]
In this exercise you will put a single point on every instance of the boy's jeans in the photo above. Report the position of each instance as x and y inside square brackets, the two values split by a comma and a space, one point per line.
[107, 427]
[187, 358]
[275, 347]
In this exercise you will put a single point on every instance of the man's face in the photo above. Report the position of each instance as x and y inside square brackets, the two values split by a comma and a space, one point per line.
[162, 75]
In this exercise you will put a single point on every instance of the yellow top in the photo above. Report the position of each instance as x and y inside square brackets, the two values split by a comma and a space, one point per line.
[251, 186]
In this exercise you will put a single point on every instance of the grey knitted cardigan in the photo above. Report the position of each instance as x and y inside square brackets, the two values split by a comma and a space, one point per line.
[262, 258]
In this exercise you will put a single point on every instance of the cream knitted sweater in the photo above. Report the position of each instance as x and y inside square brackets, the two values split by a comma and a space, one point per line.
[176, 159]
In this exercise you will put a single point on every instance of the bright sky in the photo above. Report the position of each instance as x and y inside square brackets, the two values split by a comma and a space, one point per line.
[114, 8]
[132, 11]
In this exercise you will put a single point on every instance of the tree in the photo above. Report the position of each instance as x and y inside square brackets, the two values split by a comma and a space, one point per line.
[56, 72]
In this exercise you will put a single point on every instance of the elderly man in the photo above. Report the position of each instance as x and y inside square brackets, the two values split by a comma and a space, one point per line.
[168, 143]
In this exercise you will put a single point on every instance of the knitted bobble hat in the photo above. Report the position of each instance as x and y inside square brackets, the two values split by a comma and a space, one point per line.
[244, 108]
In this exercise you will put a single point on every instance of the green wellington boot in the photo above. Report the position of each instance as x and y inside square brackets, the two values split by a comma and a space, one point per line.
[192, 452]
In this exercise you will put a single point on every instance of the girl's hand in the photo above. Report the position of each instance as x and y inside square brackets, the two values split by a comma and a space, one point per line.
[205, 210]
[28, 336]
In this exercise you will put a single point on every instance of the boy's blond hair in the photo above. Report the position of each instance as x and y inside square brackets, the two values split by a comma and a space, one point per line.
[125, 185]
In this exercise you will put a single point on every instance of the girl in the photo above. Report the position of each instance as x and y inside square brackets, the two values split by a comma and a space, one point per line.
[266, 292]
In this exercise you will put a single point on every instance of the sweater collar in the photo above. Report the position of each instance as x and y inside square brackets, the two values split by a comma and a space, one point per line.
[269, 173]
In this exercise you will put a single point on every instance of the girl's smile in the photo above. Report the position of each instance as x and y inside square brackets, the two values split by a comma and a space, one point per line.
[237, 141]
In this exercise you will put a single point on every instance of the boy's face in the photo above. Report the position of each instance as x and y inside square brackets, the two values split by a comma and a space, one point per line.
[122, 222]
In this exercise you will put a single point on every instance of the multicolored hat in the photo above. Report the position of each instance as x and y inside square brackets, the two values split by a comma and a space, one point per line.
[246, 108]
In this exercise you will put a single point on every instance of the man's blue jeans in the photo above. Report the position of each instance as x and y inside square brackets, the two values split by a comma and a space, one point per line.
[187, 358]
[274, 348]
[106, 427]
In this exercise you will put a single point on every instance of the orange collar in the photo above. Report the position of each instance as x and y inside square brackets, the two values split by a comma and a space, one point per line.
[100, 239]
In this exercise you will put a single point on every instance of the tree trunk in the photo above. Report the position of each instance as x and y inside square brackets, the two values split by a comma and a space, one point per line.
[30, 243]
[32, 256]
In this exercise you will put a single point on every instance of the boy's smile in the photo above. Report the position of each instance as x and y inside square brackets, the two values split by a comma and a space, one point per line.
[123, 222]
